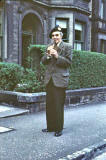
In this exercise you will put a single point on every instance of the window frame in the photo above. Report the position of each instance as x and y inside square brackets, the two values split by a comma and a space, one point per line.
[103, 46]
[82, 35]
[101, 13]
[67, 27]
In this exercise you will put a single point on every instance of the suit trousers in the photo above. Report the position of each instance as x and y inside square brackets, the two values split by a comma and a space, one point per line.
[55, 99]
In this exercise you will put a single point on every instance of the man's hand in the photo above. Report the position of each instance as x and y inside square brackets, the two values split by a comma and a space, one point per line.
[54, 53]
[48, 55]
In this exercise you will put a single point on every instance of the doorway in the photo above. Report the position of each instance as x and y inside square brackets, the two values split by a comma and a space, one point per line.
[31, 34]
[26, 41]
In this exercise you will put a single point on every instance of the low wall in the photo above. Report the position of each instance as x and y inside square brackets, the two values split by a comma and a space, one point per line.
[36, 101]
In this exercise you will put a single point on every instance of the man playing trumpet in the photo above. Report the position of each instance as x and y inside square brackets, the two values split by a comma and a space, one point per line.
[58, 58]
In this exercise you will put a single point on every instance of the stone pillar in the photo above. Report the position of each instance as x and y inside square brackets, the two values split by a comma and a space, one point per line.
[51, 24]
[12, 35]
[89, 37]
[45, 30]
[5, 34]
[71, 29]
[20, 39]
[95, 14]
[15, 34]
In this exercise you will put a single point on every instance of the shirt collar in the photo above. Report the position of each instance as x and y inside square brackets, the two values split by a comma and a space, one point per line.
[59, 43]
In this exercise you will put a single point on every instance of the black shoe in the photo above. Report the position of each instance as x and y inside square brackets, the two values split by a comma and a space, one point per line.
[58, 133]
[46, 130]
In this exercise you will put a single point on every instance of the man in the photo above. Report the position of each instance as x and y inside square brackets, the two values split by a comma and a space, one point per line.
[58, 58]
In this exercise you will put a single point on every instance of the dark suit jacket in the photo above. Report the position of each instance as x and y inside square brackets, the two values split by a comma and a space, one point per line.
[58, 69]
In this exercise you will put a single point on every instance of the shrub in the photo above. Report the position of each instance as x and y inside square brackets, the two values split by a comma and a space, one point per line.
[32, 81]
[88, 69]
[42, 48]
[10, 75]
[33, 78]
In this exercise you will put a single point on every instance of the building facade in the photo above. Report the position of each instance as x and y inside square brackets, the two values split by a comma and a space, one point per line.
[98, 26]
[24, 22]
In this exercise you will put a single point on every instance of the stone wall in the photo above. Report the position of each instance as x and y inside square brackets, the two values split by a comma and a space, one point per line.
[36, 101]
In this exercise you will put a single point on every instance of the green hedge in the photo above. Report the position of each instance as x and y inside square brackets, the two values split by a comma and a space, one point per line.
[14, 77]
[32, 81]
[37, 46]
[10, 75]
[88, 69]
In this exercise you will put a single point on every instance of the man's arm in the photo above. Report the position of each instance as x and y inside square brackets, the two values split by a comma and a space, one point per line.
[65, 59]
[46, 58]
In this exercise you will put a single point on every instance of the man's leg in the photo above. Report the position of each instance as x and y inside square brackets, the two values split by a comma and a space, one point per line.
[50, 110]
[59, 96]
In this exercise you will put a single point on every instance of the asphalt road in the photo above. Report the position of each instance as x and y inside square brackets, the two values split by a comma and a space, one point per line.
[83, 126]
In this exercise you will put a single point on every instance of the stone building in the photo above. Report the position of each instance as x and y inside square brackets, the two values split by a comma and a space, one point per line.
[24, 22]
[98, 26]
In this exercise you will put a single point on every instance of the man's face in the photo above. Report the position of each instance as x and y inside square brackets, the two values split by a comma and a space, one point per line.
[56, 37]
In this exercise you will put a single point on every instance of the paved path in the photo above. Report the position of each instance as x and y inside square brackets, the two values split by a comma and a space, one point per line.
[84, 126]
[101, 156]
[7, 111]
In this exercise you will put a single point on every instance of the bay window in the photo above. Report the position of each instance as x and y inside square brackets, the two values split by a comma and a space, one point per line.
[63, 23]
[79, 36]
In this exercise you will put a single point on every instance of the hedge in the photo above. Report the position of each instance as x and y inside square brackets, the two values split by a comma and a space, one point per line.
[10, 75]
[32, 81]
[88, 69]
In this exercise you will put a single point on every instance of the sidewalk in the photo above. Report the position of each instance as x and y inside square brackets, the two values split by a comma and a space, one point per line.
[10, 111]
[84, 134]
[7, 111]
[101, 157]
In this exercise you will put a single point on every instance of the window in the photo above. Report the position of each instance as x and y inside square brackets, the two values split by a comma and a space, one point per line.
[103, 46]
[79, 37]
[63, 23]
[101, 10]
[0, 32]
